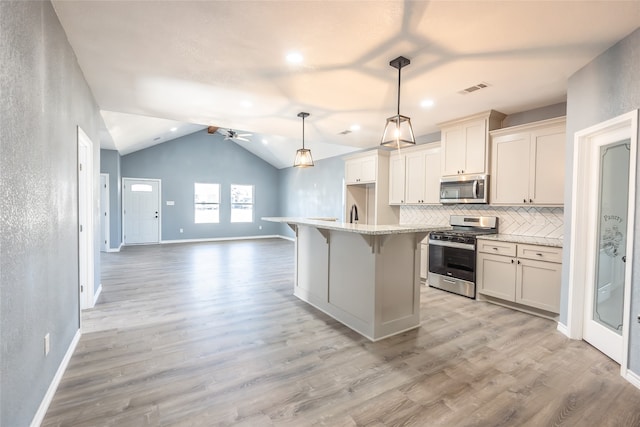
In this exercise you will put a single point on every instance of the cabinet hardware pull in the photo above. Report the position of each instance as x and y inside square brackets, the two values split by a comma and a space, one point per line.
[524, 200]
[518, 261]
[495, 249]
[539, 254]
[511, 261]
[530, 200]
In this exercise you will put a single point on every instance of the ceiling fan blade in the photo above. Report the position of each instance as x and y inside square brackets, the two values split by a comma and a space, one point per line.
[212, 129]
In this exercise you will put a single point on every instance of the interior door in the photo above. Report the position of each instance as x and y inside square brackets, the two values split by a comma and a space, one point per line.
[141, 211]
[605, 295]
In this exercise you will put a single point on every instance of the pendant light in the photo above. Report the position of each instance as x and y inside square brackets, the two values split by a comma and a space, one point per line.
[303, 155]
[398, 132]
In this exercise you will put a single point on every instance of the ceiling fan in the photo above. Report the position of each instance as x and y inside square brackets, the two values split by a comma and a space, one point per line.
[229, 133]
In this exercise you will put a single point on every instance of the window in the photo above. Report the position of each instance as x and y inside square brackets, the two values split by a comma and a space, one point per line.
[241, 203]
[142, 187]
[207, 203]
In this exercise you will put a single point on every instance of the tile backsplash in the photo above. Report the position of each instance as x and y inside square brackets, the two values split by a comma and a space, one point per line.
[523, 221]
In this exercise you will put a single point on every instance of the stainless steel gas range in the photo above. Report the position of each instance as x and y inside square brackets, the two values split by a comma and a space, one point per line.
[452, 253]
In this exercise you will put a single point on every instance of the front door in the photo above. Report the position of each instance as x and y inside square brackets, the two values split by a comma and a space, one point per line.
[141, 211]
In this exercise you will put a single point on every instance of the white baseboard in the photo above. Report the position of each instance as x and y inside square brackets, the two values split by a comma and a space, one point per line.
[97, 294]
[115, 249]
[219, 239]
[562, 328]
[51, 391]
[633, 378]
[292, 239]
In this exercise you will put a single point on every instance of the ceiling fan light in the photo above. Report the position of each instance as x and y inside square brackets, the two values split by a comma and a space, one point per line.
[398, 132]
[303, 158]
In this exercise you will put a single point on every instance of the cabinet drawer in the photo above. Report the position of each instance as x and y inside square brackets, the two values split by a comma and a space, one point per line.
[540, 253]
[498, 248]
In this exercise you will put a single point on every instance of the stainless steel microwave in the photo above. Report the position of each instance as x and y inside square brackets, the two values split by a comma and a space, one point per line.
[464, 189]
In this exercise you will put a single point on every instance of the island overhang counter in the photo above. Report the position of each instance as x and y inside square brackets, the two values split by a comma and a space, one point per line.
[365, 276]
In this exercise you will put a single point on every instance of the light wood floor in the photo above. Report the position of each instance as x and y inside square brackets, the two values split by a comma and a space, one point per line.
[210, 334]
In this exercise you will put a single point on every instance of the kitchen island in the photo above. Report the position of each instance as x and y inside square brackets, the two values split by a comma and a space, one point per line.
[365, 276]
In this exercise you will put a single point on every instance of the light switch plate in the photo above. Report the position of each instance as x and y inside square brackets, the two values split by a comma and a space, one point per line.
[170, 203]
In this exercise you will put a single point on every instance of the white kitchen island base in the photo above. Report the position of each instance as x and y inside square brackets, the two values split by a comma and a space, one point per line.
[366, 277]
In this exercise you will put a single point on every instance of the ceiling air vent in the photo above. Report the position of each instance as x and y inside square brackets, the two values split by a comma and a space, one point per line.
[344, 132]
[473, 88]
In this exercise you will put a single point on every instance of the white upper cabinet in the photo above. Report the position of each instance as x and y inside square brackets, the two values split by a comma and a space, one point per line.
[367, 187]
[527, 164]
[361, 170]
[414, 176]
[396, 178]
[465, 143]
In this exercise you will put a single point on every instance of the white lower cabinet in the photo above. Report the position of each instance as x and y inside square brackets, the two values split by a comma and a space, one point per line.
[528, 275]
[424, 261]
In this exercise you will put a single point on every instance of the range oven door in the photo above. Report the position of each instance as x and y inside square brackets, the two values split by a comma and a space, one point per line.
[455, 260]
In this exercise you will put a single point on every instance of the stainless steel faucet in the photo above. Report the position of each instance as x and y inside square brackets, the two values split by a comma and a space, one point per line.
[353, 215]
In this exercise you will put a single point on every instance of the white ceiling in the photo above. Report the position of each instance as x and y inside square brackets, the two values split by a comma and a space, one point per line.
[198, 63]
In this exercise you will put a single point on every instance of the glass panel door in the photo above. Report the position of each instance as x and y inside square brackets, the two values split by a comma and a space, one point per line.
[608, 296]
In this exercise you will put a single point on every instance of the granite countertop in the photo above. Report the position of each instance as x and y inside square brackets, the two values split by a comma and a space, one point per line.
[529, 240]
[356, 228]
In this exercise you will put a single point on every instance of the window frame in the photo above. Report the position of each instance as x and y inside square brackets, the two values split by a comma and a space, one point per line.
[197, 204]
[251, 204]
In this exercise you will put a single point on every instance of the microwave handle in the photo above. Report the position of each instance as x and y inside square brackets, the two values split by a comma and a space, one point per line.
[475, 188]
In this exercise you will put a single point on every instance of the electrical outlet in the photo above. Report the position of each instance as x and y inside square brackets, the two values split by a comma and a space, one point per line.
[181, 230]
[47, 344]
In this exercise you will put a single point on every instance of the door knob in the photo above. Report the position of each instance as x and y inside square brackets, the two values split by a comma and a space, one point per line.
[624, 258]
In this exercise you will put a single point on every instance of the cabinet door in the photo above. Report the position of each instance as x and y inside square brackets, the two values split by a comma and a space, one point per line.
[424, 261]
[369, 169]
[496, 276]
[352, 171]
[475, 136]
[547, 166]
[510, 169]
[453, 150]
[415, 179]
[432, 176]
[538, 284]
[396, 179]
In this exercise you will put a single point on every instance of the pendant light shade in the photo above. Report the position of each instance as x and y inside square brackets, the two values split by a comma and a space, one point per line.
[398, 132]
[303, 155]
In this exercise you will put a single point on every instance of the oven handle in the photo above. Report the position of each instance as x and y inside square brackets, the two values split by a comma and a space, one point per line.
[468, 246]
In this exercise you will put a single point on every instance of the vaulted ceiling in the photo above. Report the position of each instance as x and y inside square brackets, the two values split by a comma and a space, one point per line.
[156, 65]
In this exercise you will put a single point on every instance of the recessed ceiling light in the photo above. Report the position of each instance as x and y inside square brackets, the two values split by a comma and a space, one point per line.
[294, 57]
[265, 142]
[427, 103]
[173, 129]
[355, 127]
[246, 104]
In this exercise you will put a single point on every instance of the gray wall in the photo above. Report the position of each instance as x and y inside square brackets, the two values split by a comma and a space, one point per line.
[44, 97]
[312, 192]
[605, 88]
[205, 158]
[110, 163]
[537, 114]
